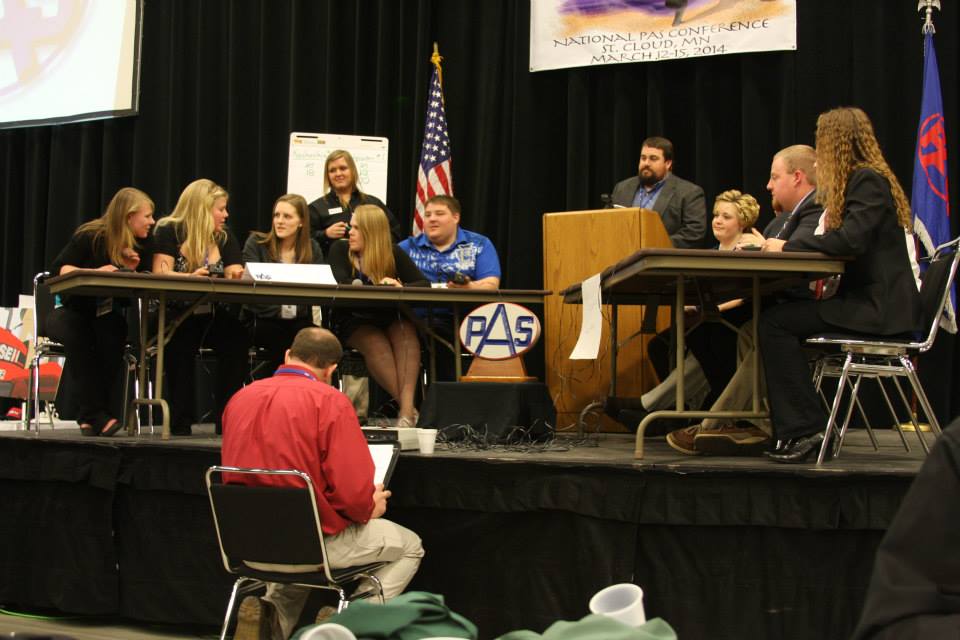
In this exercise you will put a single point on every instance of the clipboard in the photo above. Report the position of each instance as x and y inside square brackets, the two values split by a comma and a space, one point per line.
[385, 458]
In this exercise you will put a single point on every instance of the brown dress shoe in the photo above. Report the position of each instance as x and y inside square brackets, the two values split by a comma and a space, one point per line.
[732, 439]
[684, 440]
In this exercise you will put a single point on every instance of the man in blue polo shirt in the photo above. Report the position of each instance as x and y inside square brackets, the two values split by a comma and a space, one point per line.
[449, 255]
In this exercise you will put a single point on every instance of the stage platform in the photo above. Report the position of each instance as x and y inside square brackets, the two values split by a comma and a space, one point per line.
[516, 537]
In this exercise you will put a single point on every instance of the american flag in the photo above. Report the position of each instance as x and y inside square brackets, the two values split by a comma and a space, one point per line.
[434, 176]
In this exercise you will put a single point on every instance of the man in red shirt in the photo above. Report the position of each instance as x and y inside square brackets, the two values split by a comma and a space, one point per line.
[296, 420]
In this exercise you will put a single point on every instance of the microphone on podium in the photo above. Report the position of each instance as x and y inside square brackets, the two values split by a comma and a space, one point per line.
[608, 202]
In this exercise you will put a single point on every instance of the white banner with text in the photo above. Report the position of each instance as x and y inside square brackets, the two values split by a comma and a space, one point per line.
[583, 33]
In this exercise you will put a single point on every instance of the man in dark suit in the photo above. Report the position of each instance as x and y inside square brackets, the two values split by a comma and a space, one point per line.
[792, 188]
[680, 203]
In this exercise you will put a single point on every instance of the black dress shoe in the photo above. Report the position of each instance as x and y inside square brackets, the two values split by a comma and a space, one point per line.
[798, 450]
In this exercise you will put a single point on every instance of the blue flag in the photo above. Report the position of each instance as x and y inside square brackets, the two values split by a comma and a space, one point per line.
[930, 200]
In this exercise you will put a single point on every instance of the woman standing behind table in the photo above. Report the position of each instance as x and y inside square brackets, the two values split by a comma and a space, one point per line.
[865, 215]
[330, 215]
[193, 241]
[288, 241]
[92, 330]
[387, 340]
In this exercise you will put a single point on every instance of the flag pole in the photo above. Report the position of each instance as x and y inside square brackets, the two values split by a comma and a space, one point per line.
[927, 6]
[436, 57]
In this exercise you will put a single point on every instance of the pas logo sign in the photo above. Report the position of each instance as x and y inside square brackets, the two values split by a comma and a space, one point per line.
[499, 331]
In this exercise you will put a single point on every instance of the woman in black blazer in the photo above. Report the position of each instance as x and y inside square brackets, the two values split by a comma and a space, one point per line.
[867, 217]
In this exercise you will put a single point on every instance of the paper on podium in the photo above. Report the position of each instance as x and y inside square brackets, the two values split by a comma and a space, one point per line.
[588, 344]
[289, 273]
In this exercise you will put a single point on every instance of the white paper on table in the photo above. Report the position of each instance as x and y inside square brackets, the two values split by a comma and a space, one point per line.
[588, 344]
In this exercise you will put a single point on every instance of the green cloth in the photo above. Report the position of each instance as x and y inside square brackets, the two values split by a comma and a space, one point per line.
[410, 616]
[596, 627]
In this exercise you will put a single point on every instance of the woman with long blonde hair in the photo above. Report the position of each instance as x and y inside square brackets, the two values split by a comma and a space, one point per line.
[387, 340]
[330, 215]
[194, 241]
[93, 331]
[289, 241]
[867, 217]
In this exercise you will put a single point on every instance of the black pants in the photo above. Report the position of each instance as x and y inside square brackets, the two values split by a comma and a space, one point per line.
[273, 336]
[94, 348]
[221, 331]
[795, 408]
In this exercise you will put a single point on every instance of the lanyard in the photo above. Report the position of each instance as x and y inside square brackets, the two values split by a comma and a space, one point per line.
[297, 372]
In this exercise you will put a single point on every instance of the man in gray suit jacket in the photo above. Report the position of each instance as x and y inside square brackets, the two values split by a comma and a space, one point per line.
[680, 203]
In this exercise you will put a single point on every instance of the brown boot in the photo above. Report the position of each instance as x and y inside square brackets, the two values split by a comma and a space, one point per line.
[257, 620]
[325, 613]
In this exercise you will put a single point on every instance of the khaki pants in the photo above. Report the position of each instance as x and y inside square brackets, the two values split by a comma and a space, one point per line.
[738, 394]
[357, 388]
[378, 540]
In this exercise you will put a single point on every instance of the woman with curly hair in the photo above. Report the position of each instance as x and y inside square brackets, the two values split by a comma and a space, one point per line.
[194, 241]
[866, 218]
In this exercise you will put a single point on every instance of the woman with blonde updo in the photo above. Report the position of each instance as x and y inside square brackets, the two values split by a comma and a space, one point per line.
[194, 241]
[711, 360]
[733, 214]
[387, 340]
[867, 217]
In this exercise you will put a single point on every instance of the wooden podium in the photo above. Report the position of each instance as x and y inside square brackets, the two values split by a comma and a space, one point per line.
[577, 245]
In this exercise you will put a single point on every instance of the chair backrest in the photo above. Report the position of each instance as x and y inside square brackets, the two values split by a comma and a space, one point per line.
[936, 286]
[268, 524]
[43, 304]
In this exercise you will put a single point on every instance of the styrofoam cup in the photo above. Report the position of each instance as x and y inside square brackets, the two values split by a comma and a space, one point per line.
[623, 602]
[328, 631]
[427, 439]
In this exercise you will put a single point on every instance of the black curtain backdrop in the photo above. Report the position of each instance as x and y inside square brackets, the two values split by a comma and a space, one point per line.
[224, 83]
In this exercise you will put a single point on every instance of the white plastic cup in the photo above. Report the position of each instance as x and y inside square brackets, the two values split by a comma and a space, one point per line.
[427, 439]
[328, 631]
[622, 602]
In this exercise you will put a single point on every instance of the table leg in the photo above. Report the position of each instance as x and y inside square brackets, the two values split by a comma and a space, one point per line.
[755, 356]
[614, 346]
[679, 321]
[457, 347]
[161, 343]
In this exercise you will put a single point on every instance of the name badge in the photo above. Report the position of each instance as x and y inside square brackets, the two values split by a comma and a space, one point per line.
[104, 306]
[335, 210]
[288, 311]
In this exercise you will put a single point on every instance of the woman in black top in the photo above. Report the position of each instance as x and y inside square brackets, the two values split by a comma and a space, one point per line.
[288, 241]
[93, 331]
[330, 215]
[193, 241]
[387, 340]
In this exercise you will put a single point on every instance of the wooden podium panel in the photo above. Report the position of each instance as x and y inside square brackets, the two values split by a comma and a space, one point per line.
[577, 245]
